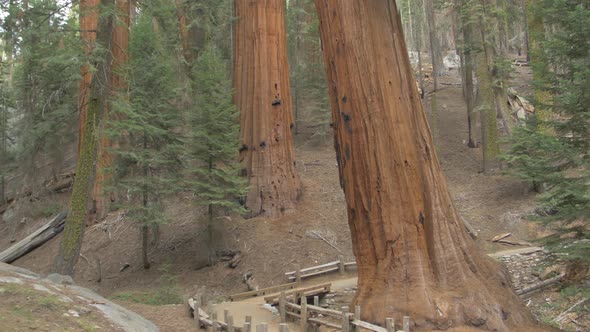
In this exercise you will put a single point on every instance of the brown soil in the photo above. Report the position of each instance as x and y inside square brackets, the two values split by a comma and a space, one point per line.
[493, 204]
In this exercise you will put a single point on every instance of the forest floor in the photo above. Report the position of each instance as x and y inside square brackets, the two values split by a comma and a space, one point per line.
[110, 263]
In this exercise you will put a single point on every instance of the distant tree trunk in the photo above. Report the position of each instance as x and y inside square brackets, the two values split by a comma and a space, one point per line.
[536, 30]
[263, 96]
[437, 64]
[436, 56]
[119, 52]
[414, 256]
[467, 78]
[183, 27]
[486, 97]
[95, 105]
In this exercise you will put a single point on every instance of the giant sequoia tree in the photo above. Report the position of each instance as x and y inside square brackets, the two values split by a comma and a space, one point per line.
[263, 97]
[414, 256]
[118, 84]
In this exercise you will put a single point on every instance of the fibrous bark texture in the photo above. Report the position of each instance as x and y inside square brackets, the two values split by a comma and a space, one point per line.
[413, 254]
[80, 207]
[119, 53]
[88, 26]
[261, 81]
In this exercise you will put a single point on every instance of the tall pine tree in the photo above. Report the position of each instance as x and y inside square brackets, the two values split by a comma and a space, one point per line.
[147, 120]
[213, 142]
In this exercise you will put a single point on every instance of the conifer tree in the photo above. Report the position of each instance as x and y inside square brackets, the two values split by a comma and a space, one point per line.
[45, 82]
[553, 150]
[213, 142]
[147, 119]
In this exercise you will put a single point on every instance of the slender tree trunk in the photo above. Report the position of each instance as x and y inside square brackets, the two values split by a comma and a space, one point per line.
[263, 96]
[536, 30]
[145, 242]
[119, 52]
[437, 64]
[467, 56]
[486, 98]
[414, 256]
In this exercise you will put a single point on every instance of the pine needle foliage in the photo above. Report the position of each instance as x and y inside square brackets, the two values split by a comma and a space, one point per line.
[213, 143]
[46, 81]
[145, 125]
[554, 153]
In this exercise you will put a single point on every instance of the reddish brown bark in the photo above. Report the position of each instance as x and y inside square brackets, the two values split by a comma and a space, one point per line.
[414, 256]
[88, 26]
[263, 96]
[187, 52]
[118, 84]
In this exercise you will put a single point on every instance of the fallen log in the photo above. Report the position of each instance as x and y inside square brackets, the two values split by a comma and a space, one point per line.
[540, 285]
[38, 238]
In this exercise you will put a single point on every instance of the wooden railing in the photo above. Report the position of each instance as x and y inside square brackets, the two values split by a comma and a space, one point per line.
[312, 316]
[313, 271]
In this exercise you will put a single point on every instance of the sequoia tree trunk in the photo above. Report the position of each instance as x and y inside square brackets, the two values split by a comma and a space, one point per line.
[413, 254]
[119, 53]
[88, 27]
[80, 201]
[263, 96]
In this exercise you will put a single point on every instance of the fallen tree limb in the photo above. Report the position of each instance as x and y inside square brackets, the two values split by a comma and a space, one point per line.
[38, 238]
[540, 285]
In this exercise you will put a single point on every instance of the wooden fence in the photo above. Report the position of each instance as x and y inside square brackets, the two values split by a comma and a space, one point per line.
[339, 265]
[310, 317]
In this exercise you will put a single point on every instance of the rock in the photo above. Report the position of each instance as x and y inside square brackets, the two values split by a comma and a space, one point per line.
[550, 272]
[108, 312]
[60, 279]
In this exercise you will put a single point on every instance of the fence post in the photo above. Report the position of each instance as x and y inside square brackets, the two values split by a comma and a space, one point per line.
[316, 301]
[282, 307]
[390, 324]
[225, 315]
[247, 327]
[345, 321]
[303, 319]
[230, 324]
[357, 315]
[341, 264]
[196, 312]
[406, 323]
[262, 327]
[283, 327]
[214, 319]
[298, 273]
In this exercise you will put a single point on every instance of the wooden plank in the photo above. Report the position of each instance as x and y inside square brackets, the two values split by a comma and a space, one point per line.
[350, 264]
[327, 312]
[325, 323]
[264, 291]
[297, 293]
[368, 326]
[292, 314]
[312, 274]
[39, 237]
[313, 268]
